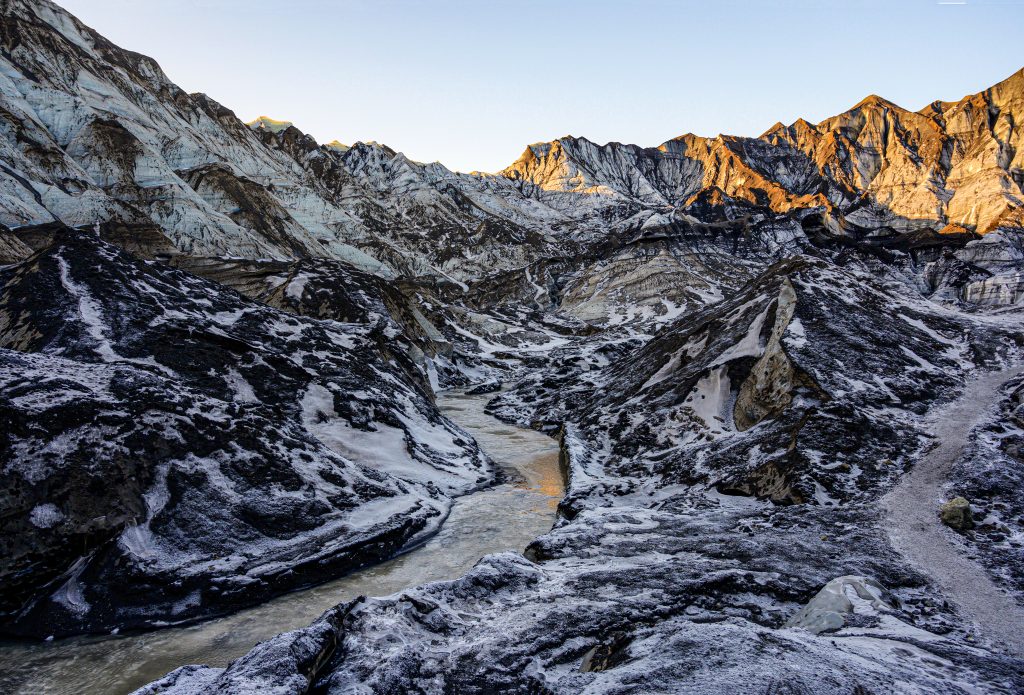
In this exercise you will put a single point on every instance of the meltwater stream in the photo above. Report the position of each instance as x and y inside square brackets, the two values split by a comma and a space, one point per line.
[505, 517]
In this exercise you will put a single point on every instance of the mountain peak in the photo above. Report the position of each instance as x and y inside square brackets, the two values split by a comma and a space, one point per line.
[268, 123]
[1014, 84]
[873, 100]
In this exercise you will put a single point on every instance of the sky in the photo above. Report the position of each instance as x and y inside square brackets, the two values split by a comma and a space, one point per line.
[470, 83]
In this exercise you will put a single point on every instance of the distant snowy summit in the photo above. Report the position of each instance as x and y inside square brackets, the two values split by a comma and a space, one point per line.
[268, 123]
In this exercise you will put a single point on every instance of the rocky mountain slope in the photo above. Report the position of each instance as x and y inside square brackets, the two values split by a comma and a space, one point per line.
[96, 133]
[219, 344]
[171, 449]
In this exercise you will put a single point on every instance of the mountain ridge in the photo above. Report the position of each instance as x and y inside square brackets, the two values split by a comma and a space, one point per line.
[104, 134]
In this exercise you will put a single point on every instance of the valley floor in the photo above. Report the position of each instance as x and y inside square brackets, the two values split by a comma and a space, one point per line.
[681, 531]
[505, 517]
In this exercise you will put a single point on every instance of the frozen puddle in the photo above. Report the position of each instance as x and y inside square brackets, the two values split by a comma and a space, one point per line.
[506, 517]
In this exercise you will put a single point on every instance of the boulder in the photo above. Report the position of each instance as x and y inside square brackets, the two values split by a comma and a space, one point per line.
[489, 386]
[830, 608]
[956, 514]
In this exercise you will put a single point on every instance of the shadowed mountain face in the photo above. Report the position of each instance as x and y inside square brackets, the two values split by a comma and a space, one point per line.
[219, 346]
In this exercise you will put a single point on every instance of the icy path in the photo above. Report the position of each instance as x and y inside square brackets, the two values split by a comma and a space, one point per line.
[504, 517]
[916, 532]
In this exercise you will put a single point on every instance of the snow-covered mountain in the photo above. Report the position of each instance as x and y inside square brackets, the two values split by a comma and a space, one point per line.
[95, 133]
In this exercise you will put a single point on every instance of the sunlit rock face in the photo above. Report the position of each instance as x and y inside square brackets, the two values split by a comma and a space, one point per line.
[877, 165]
[171, 449]
[271, 124]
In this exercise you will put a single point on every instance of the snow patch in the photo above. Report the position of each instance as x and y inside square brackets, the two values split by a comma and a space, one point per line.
[46, 516]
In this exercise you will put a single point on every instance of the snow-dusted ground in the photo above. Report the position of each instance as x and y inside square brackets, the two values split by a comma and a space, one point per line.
[917, 533]
[204, 451]
[688, 543]
[738, 339]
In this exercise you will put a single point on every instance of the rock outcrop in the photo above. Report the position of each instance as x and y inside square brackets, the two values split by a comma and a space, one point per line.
[837, 602]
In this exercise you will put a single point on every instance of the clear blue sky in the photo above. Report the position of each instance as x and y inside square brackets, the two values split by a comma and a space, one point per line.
[471, 82]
